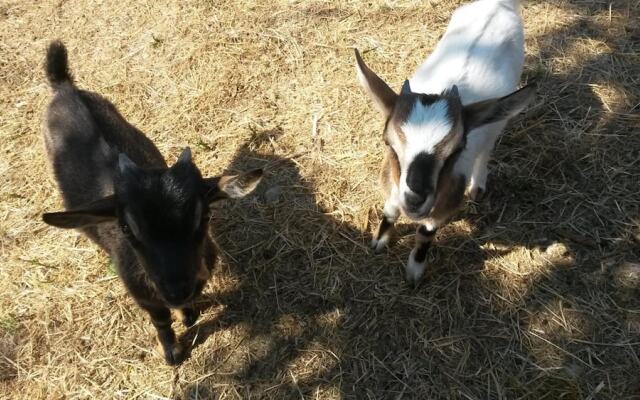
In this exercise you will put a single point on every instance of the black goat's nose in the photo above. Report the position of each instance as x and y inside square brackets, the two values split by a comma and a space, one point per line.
[178, 292]
[414, 200]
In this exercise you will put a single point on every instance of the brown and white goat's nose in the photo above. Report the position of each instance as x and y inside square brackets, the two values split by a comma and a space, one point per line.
[414, 200]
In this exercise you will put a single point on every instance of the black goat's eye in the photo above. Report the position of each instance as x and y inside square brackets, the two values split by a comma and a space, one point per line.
[204, 222]
[125, 229]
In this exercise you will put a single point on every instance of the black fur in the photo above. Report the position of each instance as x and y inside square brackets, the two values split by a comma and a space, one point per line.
[421, 253]
[57, 67]
[420, 178]
[152, 219]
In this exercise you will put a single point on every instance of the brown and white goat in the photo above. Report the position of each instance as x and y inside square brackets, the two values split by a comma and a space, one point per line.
[441, 128]
[152, 219]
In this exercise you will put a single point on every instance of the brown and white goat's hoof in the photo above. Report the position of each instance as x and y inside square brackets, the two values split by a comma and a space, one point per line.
[378, 245]
[477, 194]
[414, 270]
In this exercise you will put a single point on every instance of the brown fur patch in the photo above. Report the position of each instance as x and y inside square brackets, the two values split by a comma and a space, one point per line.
[401, 111]
[181, 314]
[390, 172]
[450, 193]
[385, 226]
[450, 142]
[381, 94]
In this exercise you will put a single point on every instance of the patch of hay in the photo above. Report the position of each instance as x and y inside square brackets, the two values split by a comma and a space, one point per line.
[522, 301]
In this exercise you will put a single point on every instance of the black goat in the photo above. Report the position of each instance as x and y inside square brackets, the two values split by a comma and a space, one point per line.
[152, 219]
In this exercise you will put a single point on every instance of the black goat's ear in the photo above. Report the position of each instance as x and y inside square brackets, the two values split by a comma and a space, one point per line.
[99, 211]
[125, 164]
[128, 169]
[231, 186]
[185, 156]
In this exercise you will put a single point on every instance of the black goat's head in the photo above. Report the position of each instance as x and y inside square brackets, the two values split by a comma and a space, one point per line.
[164, 215]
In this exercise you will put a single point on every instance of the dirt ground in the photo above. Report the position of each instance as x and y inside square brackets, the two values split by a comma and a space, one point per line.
[533, 293]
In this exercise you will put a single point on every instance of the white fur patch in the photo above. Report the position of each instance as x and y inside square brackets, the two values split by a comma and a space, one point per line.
[431, 225]
[425, 127]
[378, 245]
[391, 207]
[482, 52]
[415, 270]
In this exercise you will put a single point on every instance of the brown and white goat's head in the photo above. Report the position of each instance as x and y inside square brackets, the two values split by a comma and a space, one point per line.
[422, 131]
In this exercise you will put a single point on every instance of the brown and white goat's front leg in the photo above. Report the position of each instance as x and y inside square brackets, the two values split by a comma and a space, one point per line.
[480, 144]
[449, 198]
[417, 263]
[389, 177]
[383, 235]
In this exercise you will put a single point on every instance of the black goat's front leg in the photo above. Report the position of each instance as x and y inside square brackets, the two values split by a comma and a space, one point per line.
[189, 316]
[417, 262]
[161, 319]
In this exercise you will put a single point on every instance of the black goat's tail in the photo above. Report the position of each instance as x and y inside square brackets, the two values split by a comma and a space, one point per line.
[57, 64]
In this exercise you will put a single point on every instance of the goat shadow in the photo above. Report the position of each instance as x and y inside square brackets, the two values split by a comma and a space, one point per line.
[275, 244]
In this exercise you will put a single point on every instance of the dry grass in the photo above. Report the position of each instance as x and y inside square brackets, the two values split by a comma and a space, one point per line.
[534, 293]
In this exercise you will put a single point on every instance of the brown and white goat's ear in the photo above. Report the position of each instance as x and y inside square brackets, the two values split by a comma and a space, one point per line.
[451, 92]
[494, 110]
[232, 186]
[382, 95]
[99, 211]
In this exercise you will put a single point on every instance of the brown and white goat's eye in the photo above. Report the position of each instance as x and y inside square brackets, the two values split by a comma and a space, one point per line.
[393, 151]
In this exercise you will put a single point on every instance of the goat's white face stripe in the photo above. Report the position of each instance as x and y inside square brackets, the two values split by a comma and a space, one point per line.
[425, 127]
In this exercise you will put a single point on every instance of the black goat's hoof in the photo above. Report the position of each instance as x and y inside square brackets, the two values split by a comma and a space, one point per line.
[189, 316]
[174, 354]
